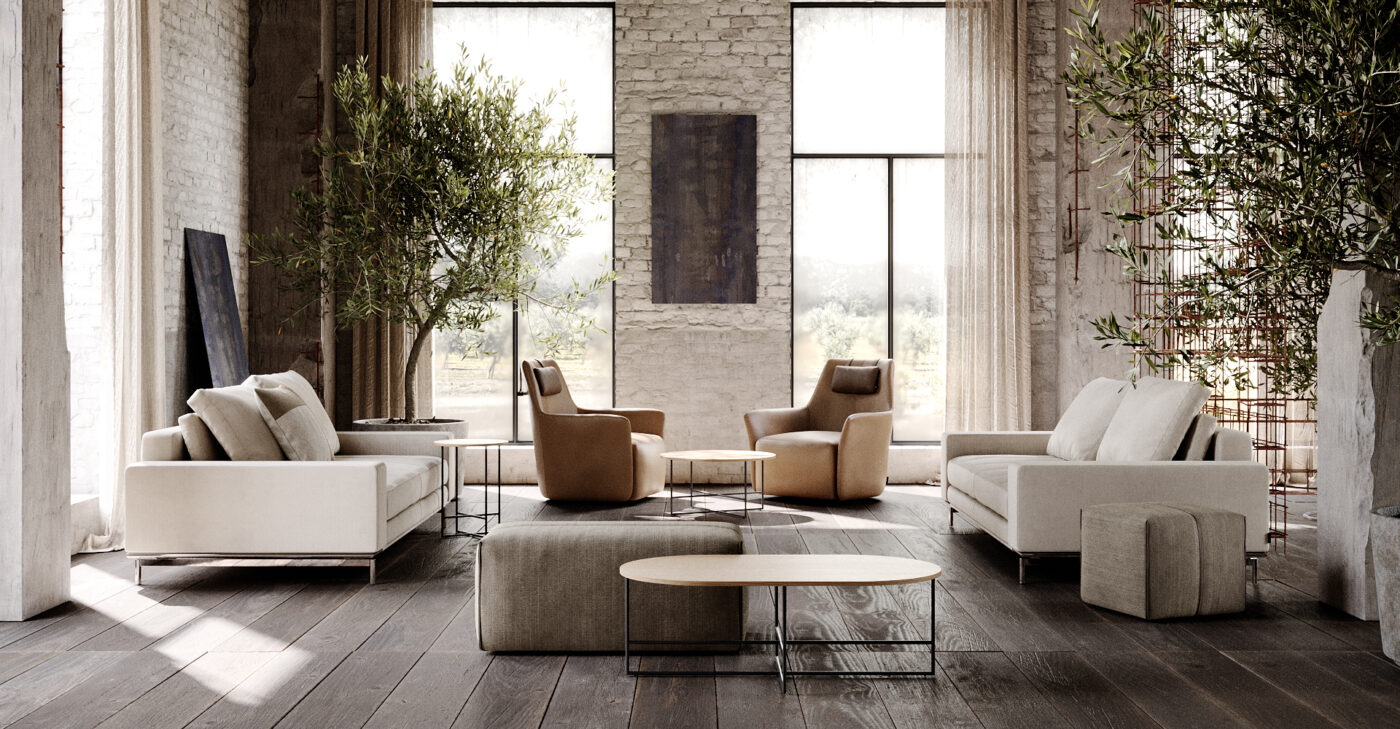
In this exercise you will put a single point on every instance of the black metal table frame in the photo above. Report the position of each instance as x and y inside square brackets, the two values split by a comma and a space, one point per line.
[693, 492]
[455, 475]
[780, 643]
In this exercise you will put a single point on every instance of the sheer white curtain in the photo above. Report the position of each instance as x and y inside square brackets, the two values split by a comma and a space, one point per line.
[987, 258]
[132, 256]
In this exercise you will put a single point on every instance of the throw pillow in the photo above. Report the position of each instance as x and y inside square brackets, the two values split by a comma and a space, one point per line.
[293, 424]
[198, 440]
[1076, 437]
[1152, 420]
[298, 384]
[855, 380]
[1197, 441]
[234, 417]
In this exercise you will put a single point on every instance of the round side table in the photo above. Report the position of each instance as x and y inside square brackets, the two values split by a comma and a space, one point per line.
[455, 475]
[717, 456]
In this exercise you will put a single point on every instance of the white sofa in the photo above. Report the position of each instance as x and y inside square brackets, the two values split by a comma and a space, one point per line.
[378, 488]
[1009, 485]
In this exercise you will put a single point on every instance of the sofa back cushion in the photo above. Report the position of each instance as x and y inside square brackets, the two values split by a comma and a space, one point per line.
[303, 389]
[233, 416]
[1076, 437]
[293, 424]
[199, 442]
[1152, 420]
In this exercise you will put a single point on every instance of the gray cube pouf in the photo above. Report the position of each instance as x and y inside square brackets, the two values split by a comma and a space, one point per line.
[554, 586]
[1162, 560]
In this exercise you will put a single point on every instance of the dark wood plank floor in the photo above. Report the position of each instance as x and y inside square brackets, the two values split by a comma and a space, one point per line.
[317, 647]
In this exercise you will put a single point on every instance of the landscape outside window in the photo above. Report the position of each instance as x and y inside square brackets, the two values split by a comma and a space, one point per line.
[868, 200]
[569, 49]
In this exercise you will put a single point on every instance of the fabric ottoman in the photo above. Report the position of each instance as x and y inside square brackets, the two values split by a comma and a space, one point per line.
[554, 586]
[1162, 560]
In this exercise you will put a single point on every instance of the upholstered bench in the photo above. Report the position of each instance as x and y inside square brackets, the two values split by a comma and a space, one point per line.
[1154, 560]
[554, 586]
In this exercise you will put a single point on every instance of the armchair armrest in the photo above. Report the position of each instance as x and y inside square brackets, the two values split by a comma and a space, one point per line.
[390, 443]
[1044, 499]
[643, 420]
[761, 423]
[591, 449]
[863, 455]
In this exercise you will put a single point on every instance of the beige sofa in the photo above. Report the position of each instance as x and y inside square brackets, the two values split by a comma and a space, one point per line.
[377, 489]
[1015, 487]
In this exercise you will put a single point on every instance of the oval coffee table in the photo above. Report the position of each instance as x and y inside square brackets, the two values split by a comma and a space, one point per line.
[716, 456]
[778, 572]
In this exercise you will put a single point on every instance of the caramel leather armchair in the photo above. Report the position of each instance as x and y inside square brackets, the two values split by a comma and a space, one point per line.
[591, 455]
[838, 445]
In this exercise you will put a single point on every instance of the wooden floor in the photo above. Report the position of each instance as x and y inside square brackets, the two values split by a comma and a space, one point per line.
[317, 647]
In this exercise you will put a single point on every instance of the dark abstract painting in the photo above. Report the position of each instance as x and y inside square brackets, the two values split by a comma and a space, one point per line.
[704, 209]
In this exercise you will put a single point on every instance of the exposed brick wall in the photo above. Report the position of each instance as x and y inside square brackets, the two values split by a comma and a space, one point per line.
[1044, 235]
[204, 70]
[704, 364]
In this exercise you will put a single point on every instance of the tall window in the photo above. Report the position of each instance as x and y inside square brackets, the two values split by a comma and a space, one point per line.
[868, 199]
[546, 46]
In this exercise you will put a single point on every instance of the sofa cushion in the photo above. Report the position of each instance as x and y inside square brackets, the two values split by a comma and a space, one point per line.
[407, 479]
[293, 424]
[985, 478]
[806, 457]
[550, 380]
[855, 380]
[298, 384]
[1151, 421]
[233, 416]
[199, 442]
[1197, 442]
[1081, 428]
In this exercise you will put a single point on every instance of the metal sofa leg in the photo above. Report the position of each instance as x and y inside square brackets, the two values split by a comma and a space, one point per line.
[1253, 563]
[373, 569]
[138, 571]
[1021, 564]
[951, 512]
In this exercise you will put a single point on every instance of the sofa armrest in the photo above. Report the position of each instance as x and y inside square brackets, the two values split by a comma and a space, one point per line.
[255, 507]
[988, 443]
[1044, 499]
[642, 420]
[761, 423]
[389, 443]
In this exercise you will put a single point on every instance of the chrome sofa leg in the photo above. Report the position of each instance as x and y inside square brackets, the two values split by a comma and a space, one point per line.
[1021, 563]
[1254, 566]
[373, 569]
[138, 571]
[951, 512]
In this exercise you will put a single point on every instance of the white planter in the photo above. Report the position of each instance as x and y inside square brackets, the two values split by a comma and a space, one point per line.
[1358, 435]
[1385, 555]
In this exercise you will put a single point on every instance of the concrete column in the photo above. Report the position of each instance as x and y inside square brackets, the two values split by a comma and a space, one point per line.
[34, 492]
[1358, 435]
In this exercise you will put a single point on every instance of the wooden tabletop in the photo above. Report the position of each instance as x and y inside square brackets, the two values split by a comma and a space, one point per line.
[469, 442]
[718, 456]
[752, 570]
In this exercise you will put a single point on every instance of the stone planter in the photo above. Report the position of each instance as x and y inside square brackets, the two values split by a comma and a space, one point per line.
[1358, 433]
[1385, 555]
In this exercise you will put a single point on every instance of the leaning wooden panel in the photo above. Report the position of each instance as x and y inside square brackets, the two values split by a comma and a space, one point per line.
[704, 209]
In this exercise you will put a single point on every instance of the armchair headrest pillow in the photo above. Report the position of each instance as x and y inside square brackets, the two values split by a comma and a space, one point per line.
[550, 380]
[855, 380]
[293, 381]
[1076, 437]
[234, 417]
[199, 442]
[1151, 422]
